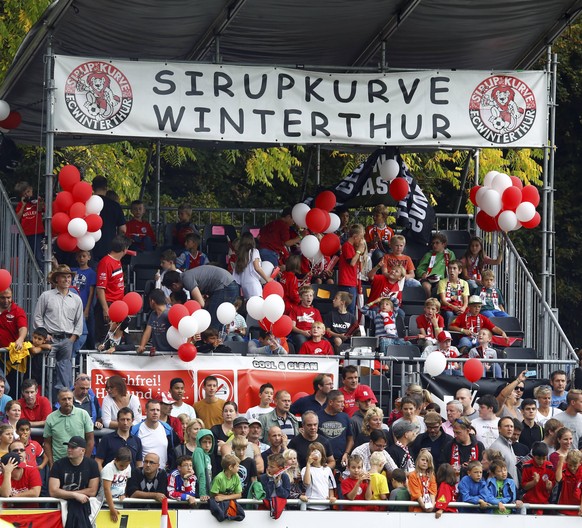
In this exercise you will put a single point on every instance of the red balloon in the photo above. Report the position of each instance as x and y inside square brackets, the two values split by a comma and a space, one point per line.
[12, 121]
[187, 352]
[59, 223]
[134, 302]
[118, 311]
[56, 208]
[473, 370]
[66, 242]
[330, 244]
[5, 279]
[511, 198]
[317, 220]
[516, 182]
[473, 194]
[82, 191]
[282, 327]
[265, 324]
[69, 176]
[534, 222]
[192, 306]
[399, 189]
[271, 288]
[325, 200]
[94, 222]
[176, 313]
[486, 222]
[530, 194]
[64, 200]
[77, 210]
[299, 395]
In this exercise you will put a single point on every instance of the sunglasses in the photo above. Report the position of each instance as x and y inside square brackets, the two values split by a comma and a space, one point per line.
[519, 389]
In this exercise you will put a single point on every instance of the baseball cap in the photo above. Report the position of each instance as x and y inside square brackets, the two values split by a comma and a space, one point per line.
[167, 399]
[76, 441]
[255, 421]
[444, 336]
[239, 420]
[13, 455]
[401, 428]
[364, 393]
[475, 299]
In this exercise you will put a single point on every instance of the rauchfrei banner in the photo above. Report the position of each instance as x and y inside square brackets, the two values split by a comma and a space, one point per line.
[218, 102]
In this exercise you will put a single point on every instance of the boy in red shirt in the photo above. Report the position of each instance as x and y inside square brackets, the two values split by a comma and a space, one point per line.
[357, 485]
[430, 324]
[317, 346]
[290, 283]
[538, 477]
[349, 263]
[138, 230]
[303, 317]
[29, 211]
[569, 473]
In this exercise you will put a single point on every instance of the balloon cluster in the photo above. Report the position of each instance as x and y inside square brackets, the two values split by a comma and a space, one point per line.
[8, 118]
[5, 279]
[76, 220]
[399, 188]
[187, 320]
[130, 305]
[505, 203]
[269, 308]
[436, 363]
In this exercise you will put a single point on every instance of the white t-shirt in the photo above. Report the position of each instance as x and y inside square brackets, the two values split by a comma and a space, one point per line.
[487, 431]
[183, 409]
[253, 413]
[249, 280]
[154, 441]
[118, 478]
[321, 482]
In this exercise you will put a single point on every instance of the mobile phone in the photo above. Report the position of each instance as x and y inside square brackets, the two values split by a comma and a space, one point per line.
[531, 374]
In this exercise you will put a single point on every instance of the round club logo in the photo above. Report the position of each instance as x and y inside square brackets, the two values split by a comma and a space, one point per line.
[225, 388]
[502, 109]
[98, 95]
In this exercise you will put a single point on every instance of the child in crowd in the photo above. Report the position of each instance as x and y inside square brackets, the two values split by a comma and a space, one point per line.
[34, 453]
[378, 234]
[349, 263]
[237, 329]
[266, 345]
[297, 488]
[248, 272]
[303, 316]
[493, 303]
[317, 476]
[422, 483]
[317, 345]
[453, 292]
[167, 263]
[178, 297]
[202, 459]
[182, 481]
[114, 477]
[339, 321]
[211, 343]
[569, 473]
[538, 477]
[116, 338]
[473, 489]
[275, 480]
[40, 347]
[290, 283]
[139, 230]
[191, 258]
[447, 489]
[474, 261]
[29, 211]
[84, 282]
[157, 325]
[433, 265]
[6, 437]
[176, 233]
[356, 486]
[430, 324]
[248, 468]
[384, 323]
[484, 351]
[448, 350]
[399, 490]
[501, 488]
[266, 393]
[390, 286]
[226, 485]
[397, 258]
[378, 481]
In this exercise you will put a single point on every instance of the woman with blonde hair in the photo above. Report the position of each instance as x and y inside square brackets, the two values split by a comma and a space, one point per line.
[373, 419]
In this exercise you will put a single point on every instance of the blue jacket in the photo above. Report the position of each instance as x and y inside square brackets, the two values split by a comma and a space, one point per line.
[508, 491]
[471, 492]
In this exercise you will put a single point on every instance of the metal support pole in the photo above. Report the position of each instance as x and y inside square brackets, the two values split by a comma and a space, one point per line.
[383, 57]
[49, 155]
[158, 186]
[551, 173]
[476, 155]
[545, 188]
[318, 166]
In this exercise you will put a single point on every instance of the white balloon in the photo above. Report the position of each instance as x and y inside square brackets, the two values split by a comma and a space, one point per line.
[334, 223]
[501, 182]
[435, 364]
[96, 235]
[86, 242]
[479, 195]
[188, 326]
[255, 307]
[491, 202]
[226, 312]
[77, 227]
[389, 170]
[517, 226]
[4, 110]
[299, 212]
[525, 211]
[274, 307]
[4, 130]
[317, 258]
[507, 221]
[489, 177]
[94, 204]
[203, 318]
[267, 267]
[174, 338]
[309, 246]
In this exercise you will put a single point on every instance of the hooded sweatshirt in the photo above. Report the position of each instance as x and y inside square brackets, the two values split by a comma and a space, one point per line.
[202, 462]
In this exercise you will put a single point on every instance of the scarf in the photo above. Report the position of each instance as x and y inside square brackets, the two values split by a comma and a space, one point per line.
[454, 294]
[456, 455]
[474, 268]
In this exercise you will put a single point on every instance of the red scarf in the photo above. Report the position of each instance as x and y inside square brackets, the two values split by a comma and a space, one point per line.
[454, 294]
[474, 268]
[456, 455]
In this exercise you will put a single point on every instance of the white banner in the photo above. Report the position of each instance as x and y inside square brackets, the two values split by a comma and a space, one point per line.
[239, 377]
[280, 106]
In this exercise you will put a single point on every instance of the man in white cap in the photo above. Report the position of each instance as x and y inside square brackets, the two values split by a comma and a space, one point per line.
[446, 348]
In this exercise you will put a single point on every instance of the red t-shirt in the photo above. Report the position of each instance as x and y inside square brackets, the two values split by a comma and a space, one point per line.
[30, 479]
[348, 274]
[539, 494]
[139, 229]
[391, 260]
[39, 412]
[110, 278]
[473, 323]
[382, 287]
[304, 317]
[33, 450]
[10, 321]
[274, 235]
[322, 348]
[348, 484]
[384, 234]
[31, 219]
[571, 493]
[290, 290]
[426, 325]
[350, 406]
